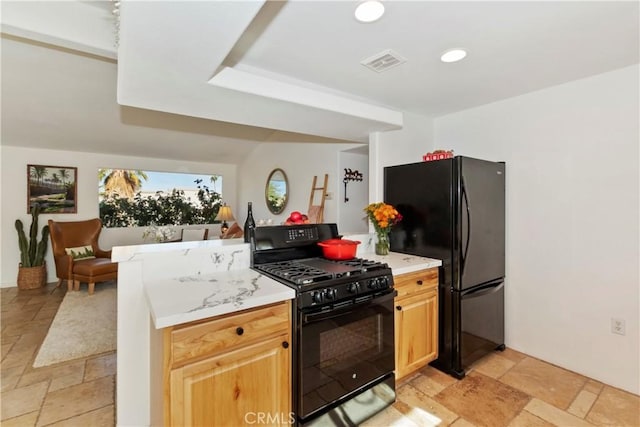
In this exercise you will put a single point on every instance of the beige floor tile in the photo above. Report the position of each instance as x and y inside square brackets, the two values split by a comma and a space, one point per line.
[76, 400]
[406, 379]
[10, 339]
[552, 384]
[593, 386]
[30, 339]
[483, 401]
[427, 385]
[19, 328]
[582, 403]
[527, 419]
[18, 316]
[100, 366]
[19, 357]
[461, 422]
[390, 417]
[46, 313]
[20, 311]
[437, 376]
[35, 375]
[38, 299]
[615, 408]
[103, 417]
[553, 415]
[513, 355]
[421, 409]
[53, 304]
[60, 382]
[9, 377]
[23, 400]
[26, 420]
[493, 365]
[4, 349]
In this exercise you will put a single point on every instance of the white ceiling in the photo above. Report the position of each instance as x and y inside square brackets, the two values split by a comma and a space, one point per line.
[290, 66]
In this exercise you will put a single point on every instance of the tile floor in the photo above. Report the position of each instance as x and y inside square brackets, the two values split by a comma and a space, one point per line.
[503, 389]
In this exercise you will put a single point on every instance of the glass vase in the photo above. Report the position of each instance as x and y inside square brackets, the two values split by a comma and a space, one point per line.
[382, 245]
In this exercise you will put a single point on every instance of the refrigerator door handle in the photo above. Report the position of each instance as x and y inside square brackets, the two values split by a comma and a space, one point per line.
[484, 290]
[466, 245]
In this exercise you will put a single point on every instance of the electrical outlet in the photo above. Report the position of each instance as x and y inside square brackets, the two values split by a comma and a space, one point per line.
[329, 196]
[618, 326]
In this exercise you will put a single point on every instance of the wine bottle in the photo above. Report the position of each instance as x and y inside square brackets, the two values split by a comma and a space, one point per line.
[249, 224]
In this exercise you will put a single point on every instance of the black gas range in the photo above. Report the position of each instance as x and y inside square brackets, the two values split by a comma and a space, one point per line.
[343, 324]
[322, 282]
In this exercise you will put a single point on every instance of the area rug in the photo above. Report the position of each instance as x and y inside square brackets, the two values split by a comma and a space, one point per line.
[84, 325]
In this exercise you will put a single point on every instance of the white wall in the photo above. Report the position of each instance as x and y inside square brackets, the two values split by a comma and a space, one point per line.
[351, 216]
[14, 162]
[301, 162]
[572, 218]
[398, 147]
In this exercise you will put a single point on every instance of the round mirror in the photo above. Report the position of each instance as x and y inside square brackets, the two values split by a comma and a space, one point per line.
[276, 191]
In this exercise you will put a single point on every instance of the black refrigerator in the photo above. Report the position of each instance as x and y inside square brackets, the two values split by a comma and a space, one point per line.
[454, 210]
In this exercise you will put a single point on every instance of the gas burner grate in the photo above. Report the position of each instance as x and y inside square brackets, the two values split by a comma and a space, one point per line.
[363, 264]
[316, 270]
[295, 272]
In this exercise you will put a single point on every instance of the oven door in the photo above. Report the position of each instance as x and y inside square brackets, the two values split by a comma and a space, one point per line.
[343, 351]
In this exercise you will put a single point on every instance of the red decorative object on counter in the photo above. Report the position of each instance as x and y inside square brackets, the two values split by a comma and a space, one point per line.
[339, 249]
[438, 155]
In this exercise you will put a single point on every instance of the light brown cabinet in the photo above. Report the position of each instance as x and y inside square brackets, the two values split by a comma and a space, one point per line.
[229, 370]
[416, 320]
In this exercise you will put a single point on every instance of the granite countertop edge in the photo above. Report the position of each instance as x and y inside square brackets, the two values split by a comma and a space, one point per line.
[272, 291]
[161, 295]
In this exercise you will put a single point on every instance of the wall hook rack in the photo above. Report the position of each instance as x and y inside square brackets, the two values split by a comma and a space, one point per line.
[350, 175]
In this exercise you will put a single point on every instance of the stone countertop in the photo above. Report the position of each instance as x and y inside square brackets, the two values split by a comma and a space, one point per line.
[195, 297]
[212, 278]
[400, 263]
[131, 252]
[403, 263]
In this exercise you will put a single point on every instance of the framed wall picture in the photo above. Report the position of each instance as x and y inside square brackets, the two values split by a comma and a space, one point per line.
[53, 188]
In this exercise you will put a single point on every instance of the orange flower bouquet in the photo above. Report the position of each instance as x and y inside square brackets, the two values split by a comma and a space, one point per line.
[383, 217]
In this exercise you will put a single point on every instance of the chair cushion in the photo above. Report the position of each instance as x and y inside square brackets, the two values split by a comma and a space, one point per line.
[95, 267]
[80, 252]
[192, 234]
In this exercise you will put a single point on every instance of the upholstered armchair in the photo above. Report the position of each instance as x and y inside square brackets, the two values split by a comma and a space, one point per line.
[77, 255]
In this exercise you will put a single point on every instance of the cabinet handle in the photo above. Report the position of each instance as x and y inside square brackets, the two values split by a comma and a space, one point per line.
[419, 282]
[285, 344]
[399, 308]
[239, 330]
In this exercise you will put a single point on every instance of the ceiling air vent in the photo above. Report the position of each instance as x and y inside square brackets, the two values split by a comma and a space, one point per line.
[383, 61]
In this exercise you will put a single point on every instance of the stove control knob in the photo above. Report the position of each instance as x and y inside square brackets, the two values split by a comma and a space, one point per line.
[353, 287]
[317, 297]
[384, 282]
[330, 293]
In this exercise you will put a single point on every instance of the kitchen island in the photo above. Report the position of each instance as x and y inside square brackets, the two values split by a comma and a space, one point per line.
[164, 285]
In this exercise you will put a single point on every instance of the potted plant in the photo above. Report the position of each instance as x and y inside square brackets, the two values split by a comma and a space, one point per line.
[32, 271]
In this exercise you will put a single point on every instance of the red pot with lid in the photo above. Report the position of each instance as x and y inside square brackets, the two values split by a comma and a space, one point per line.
[339, 249]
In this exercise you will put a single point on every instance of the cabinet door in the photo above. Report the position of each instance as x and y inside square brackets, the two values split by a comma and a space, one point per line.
[416, 328]
[235, 388]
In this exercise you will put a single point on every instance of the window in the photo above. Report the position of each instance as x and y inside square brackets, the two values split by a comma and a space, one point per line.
[131, 198]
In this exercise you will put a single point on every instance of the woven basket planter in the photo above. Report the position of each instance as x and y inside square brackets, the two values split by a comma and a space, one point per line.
[32, 277]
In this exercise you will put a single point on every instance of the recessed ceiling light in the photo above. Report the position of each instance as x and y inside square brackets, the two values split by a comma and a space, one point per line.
[453, 55]
[369, 11]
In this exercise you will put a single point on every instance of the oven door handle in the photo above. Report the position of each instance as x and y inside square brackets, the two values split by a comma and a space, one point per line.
[324, 315]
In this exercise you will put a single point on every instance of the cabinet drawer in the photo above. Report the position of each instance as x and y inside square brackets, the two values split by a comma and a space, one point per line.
[418, 281]
[197, 340]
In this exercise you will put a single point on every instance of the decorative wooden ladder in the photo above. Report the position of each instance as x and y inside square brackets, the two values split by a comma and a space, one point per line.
[316, 212]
